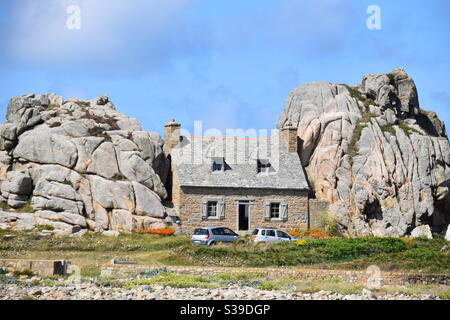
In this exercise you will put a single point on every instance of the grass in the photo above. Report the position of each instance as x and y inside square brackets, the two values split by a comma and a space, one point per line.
[27, 273]
[407, 129]
[92, 250]
[32, 241]
[25, 209]
[354, 93]
[315, 251]
[421, 255]
[356, 136]
[388, 128]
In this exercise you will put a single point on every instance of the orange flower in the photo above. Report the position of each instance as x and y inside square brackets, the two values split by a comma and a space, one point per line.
[309, 233]
[161, 232]
[318, 234]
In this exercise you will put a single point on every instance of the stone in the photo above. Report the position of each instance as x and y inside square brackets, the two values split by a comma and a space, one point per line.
[104, 162]
[46, 148]
[121, 220]
[102, 100]
[111, 233]
[80, 233]
[422, 232]
[81, 157]
[18, 182]
[112, 194]
[147, 202]
[447, 234]
[130, 124]
[388, 176]
[143, 222]
[57, 204]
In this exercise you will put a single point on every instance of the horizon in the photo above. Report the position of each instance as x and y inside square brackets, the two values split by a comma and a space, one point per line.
[230, 65]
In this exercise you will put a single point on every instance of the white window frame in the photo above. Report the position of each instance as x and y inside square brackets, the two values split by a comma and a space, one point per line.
[283, 210]
[220, 208]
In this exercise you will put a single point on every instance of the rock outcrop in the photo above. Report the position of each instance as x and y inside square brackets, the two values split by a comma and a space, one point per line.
[381, 161]
[79, 164]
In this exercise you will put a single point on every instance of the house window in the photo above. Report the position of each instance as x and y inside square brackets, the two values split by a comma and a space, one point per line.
[274, 210]
[264, 166]
[218, 164]
[212, 209]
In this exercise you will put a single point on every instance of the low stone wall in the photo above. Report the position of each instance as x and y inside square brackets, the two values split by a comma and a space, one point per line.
[38, 267]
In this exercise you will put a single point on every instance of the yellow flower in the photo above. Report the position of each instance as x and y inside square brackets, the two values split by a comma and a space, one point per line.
[300, 242]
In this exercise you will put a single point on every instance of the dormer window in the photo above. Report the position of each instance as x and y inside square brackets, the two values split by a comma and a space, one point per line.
[264, 166]
[218, 165]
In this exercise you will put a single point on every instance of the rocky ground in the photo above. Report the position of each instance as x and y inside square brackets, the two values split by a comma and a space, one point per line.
[90, 291]
[163, 284]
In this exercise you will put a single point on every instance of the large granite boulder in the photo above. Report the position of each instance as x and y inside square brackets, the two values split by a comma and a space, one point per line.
[79, 164]
[381, 162]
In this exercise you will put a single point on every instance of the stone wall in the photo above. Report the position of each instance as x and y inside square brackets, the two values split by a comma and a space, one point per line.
[317, 207]
[39, 267]
[190, 200]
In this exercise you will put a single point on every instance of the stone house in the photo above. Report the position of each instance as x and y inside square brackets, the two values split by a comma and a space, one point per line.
[240, 183]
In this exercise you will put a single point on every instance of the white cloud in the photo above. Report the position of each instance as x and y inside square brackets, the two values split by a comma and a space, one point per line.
[114, 33]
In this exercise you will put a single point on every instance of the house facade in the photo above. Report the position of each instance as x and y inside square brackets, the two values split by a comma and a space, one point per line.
[239, 183]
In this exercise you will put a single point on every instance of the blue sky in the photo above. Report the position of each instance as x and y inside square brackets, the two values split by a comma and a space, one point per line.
[228, 63]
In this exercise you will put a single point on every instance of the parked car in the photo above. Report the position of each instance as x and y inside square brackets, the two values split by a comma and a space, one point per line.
[271, 235]
[208, 236]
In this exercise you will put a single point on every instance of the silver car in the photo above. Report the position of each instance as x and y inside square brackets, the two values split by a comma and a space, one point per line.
[271, 235]
[208, 236]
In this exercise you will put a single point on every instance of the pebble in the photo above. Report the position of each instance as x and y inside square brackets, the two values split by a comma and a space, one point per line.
[92, 292]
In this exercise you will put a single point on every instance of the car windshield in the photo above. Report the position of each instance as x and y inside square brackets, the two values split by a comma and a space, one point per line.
[282, 234]
[228, 232]
[217, 232]
[200, 232]
[270, 233]
[255, 232]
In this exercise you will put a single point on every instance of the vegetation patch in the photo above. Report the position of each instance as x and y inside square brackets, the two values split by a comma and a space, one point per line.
[421, 255]
[354, 93]
[407, 129]
[31, 241]
[388, 128]
[27, 208]
[357, 132]
[313, 251]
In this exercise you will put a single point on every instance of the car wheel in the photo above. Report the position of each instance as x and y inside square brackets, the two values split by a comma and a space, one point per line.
[212, 243]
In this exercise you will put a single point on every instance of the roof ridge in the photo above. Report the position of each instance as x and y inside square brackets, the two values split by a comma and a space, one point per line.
[247, 138]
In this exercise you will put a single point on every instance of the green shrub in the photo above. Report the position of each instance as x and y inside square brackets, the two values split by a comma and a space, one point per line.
[329, 225]
[27, 273]
[270, 285]
[315, 251]
[388, 128]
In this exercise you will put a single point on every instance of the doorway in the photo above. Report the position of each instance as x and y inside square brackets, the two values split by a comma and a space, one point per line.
[243, 216]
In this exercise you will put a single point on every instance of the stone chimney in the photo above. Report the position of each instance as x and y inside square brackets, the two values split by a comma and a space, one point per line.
[171, 136]
[289, 134]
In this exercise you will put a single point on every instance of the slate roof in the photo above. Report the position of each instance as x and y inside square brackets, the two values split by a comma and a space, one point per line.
[194, 156]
